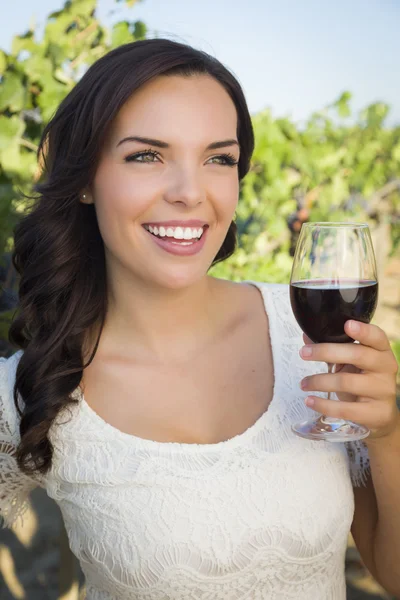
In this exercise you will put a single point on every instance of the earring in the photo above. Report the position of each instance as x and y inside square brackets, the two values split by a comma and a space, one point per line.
[83, 196]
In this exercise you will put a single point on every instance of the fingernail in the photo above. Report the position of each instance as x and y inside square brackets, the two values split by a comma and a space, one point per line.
[306, 351]
[303, 383]
[309, 401]
[354, 326]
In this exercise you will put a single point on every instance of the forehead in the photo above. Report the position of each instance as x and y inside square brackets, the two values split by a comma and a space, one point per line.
[197, 105]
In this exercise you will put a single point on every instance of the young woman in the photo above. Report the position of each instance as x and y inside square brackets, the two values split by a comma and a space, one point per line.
[154, 401]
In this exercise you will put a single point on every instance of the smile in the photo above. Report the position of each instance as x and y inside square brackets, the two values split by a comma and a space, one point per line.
[176, 233]
[181, 241]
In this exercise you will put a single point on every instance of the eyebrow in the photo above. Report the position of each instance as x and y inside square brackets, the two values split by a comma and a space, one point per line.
[160, 144]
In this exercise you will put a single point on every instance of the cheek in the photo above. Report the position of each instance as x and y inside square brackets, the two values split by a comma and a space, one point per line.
[118, 196]
[227, 193]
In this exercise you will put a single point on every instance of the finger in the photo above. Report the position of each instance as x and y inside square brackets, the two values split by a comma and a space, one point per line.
[373, 415]
[351, 411]
[349, 383]
[367, 334]
[362, 357]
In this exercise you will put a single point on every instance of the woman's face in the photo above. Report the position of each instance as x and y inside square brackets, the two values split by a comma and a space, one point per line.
[174, 182]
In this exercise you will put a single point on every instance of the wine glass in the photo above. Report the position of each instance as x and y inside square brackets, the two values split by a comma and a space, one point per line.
[333, 279]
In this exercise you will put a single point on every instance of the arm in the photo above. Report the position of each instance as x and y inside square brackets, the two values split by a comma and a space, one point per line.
[366, 386]
[376, 523]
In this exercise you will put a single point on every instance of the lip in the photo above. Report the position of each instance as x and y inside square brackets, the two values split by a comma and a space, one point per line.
[189, 223]
[176, 248]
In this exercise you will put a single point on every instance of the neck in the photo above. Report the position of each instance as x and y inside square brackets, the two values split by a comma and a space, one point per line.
[163, 325]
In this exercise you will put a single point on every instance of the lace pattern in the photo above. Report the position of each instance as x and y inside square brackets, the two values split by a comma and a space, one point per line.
[14, 485]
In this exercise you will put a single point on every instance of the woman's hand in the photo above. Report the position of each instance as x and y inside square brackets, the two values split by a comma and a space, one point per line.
[364, 381]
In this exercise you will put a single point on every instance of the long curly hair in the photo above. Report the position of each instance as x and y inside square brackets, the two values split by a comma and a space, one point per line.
[58, 249]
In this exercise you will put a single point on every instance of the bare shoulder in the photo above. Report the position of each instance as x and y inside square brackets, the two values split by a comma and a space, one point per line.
[243, 301]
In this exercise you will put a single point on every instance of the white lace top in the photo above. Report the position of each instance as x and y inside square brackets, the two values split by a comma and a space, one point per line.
[263, 515]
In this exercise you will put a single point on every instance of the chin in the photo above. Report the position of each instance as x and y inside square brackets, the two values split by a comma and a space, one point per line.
[177, 279]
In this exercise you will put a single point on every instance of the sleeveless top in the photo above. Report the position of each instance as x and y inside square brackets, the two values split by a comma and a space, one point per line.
[263, 515]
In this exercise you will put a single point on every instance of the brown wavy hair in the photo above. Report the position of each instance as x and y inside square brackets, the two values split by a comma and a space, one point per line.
[58, 249]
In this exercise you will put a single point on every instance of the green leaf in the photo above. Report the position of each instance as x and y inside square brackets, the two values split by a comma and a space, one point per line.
[56, 29]
[139, 30]
[342, 105]
[18, 163]
[11, 129]
[121, 34]
[396, 153]
[50, 97]
[12, 93]
[396, 350]
[55, 53]
[83, 7]
[37, 67]
[24, 42]
[375, 114]
[3, 62]
[10, 159]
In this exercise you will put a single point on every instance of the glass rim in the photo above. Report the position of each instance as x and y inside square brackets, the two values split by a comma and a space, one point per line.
[337, 224]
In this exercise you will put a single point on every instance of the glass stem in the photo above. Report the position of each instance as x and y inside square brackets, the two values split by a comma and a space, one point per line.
[323, 418]
[331, 369]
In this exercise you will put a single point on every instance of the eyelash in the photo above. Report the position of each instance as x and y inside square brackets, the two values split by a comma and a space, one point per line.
[229, 158]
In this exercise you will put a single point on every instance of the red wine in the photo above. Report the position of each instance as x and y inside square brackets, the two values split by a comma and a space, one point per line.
[322, 307]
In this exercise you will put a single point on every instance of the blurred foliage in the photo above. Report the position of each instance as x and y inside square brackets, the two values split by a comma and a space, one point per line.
[395, 345]
[396, 350]
[34, 77]
[332, 168]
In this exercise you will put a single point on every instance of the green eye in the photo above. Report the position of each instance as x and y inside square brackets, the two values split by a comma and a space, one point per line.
[139, 155]
[227, 159]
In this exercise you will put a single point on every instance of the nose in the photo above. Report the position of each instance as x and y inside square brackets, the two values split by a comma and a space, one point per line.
[185, 187]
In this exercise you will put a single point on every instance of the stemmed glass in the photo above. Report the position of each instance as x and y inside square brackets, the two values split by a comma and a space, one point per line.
[333, 279]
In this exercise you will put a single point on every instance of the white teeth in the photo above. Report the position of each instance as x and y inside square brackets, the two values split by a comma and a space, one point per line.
[178, 233]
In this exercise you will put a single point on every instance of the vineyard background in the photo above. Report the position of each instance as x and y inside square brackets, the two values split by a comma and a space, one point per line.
[333, 168]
